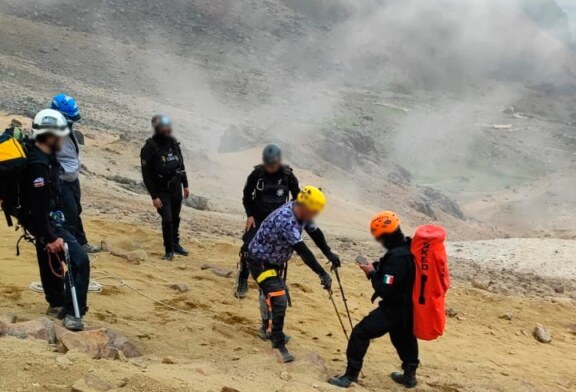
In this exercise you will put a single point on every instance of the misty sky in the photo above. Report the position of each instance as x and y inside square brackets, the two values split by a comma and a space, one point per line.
[570, 7]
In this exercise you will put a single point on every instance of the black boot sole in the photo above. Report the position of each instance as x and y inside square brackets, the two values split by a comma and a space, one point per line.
[400, 381]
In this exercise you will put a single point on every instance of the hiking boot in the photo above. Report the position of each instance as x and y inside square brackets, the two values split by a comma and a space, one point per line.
[286, 356]
[343, 381]
[72, 323]
[169, 256]
[264, 334]
[241, 288]
[407, 377]
[91, 248]
[179, 250]
[54, 311]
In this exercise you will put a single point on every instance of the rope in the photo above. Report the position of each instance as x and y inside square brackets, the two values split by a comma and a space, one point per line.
[62, 268]
[93, 287]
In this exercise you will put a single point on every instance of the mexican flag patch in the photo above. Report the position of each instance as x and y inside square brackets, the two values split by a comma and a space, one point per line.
[388, 279]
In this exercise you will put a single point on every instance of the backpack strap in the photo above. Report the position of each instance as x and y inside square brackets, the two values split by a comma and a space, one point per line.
[287, 171]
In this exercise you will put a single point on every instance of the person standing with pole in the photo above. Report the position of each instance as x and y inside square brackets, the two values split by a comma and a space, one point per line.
[393, 281]
[41, 215]
[278, 237]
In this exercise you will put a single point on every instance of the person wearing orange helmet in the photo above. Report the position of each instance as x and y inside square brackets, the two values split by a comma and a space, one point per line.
[393, 280]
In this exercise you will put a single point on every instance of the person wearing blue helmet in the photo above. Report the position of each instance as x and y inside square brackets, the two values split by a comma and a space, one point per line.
[164, 175]
[69, 159]
[268, 187]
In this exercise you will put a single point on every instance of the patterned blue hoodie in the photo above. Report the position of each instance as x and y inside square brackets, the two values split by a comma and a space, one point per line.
[275, 240]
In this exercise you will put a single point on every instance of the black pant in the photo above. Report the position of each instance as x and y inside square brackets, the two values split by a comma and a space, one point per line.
[170, 213]
[72, 208]
[56, 289]
[246, 238]
[273, 293]
[375, 325]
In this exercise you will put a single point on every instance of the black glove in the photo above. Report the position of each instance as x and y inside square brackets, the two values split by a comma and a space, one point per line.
[334, 259]
[326, 281]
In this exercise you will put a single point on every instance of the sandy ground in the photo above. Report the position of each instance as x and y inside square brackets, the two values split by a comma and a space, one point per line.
[214, 344]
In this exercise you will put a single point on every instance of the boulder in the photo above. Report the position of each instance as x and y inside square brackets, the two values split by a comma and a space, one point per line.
[8, 318]
[94, 343]
[482, 284]
[218, 271]
[196, 202]
[123, 345]
[507, 316]
[452, 312]
[91, 383]
[229, 389]
[134, 256]
[437, 199]
[180, 287]
[542, 335]
[42, 329]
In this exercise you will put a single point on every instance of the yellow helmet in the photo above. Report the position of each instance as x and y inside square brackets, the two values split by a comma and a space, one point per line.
[312, 198]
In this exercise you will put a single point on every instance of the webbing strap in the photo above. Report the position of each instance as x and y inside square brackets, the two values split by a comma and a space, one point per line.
[266, 274]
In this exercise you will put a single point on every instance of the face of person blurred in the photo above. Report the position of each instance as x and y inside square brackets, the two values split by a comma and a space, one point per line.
[164, 130]
[304, 214]
[54, 143]
[273, 167]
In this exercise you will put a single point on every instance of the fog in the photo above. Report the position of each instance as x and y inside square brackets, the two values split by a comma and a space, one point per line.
[299, 72]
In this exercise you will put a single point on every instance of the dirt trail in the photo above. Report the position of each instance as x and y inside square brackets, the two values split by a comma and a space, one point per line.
[215, 346]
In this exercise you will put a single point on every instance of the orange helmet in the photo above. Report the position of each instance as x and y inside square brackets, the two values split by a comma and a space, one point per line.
[384, 222]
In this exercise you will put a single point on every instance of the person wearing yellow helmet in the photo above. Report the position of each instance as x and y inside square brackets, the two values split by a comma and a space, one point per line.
[268, 253]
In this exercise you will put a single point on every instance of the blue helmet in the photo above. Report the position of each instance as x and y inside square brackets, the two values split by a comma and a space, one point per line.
[164, 121]
[66, 105]
[271, 154]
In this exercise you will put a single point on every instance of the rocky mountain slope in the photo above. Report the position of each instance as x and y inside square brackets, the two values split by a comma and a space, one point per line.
[237, 76]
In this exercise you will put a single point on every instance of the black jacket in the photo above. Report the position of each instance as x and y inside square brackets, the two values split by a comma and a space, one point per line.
[265, 192]
[163, 167]
[40, 193]
[393, 279]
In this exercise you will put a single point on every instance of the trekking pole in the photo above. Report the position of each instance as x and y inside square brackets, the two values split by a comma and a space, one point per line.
[71, 282]
[338, 314]
[285, 279]
[344, 299]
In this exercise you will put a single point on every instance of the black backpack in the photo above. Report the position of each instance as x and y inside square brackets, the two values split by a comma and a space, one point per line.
[12, 165]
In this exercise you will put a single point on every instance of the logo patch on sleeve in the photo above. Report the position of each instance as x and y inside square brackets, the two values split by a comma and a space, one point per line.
[388, 279]
[39, 182]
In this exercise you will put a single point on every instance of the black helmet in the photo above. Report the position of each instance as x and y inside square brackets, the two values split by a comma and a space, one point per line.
[271, 154]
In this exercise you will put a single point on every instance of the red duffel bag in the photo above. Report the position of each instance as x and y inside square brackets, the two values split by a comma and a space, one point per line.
[431, 283]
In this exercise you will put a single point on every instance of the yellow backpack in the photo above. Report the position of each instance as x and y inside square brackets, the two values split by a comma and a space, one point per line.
[12, 164]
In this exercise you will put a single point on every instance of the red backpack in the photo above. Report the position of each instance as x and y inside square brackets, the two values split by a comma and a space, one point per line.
[431, 283]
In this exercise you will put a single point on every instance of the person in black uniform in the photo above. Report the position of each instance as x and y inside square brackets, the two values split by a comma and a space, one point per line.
[165, 178]
[41, 215]
[393, 280]
[267, 188]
